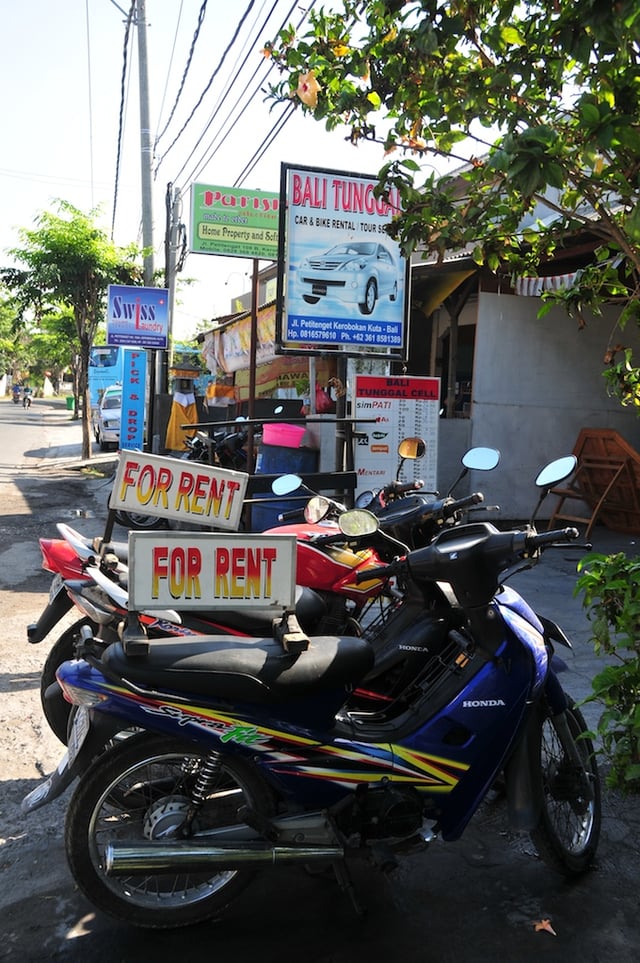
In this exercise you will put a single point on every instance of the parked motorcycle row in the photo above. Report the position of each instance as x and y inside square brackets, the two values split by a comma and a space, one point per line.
[366, 723]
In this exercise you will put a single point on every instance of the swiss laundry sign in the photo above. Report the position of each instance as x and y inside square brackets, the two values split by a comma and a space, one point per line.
[137, 316]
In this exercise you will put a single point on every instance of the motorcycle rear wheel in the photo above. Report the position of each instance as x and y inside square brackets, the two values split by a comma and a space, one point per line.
[57, 710]
[141, 789]
[140, 522]
[567, 834]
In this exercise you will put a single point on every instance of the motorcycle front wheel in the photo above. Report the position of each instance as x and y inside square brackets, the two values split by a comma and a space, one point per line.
[567, 834]
[141, 790]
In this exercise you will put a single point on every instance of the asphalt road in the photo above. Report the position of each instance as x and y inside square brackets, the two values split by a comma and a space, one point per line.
[472, 901]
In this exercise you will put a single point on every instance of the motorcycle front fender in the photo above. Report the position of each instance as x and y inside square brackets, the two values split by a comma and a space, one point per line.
[522, 772]
[101, 730]
[522, 786]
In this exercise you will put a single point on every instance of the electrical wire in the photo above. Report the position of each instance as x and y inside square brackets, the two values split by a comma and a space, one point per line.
[166, 83]
[275, 131]
[127, 31]
[206, 89]
[244, 94]
[212, 149]
[185, 71]
[89, 91]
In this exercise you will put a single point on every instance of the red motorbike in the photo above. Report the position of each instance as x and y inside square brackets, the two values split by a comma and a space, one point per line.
[334, 597]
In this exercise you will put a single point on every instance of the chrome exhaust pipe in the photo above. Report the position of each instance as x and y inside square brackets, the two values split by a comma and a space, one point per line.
[187, 856]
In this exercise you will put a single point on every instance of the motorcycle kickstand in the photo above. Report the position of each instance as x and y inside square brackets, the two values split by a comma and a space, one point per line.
[343, 876]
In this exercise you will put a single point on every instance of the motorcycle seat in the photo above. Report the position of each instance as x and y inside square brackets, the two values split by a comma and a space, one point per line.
[247, 670]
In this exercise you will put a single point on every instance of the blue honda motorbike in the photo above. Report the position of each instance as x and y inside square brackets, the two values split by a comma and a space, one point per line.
[201, 762]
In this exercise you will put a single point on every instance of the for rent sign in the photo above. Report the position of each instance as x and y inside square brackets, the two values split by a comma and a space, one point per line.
[211, 570]
[171, 488]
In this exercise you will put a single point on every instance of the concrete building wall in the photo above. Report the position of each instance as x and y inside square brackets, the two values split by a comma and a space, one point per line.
[536, 384]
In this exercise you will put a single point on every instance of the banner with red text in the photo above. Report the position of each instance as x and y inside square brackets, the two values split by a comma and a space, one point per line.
[182, 490]
[207, 570]
[346, 280]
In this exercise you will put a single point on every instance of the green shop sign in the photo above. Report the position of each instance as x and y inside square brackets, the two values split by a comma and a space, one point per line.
[227, 220]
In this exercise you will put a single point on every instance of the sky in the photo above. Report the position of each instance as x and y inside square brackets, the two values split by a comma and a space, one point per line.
[61, 72]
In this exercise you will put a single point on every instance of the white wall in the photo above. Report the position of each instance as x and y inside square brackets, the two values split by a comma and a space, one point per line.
[536, 383]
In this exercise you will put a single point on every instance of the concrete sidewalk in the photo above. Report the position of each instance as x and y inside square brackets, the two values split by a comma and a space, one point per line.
[549, 589]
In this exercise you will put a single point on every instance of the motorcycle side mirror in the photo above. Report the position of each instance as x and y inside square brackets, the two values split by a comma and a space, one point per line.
[553, 473]
[481, 459]
[316, 509]
[556, 471]
[358, 522]
[412, 448]
[478, 459]
[286, 484]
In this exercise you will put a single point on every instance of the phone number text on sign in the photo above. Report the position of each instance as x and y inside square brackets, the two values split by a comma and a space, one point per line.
[202, 570]
[171, 488]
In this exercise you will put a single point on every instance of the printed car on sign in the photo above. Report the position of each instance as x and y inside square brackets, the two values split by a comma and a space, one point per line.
[358, 272]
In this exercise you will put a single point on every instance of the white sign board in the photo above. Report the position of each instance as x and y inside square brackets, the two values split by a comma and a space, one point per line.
[346, 280]
[208, 570]
[403, 407]
[185, 490]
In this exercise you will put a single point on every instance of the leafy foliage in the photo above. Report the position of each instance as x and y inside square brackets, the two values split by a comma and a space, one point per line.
[529, 107]
[67, 261]
[611, 587]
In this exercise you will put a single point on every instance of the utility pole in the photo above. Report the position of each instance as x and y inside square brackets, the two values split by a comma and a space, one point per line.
[173, 207]
[146, 148]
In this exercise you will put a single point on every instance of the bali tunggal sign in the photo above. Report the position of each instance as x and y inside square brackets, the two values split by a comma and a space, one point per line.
[137, 316]
[233, 221]
[346, 281]
[181, 490]
[199, 570]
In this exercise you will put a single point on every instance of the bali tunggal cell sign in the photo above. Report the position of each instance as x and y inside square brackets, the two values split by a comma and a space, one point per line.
[346, 281]
[137, 316]
[233, 221]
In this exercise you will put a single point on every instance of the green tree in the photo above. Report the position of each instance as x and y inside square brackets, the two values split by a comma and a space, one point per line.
[15, 353]
[535, 102]
[67, 260]
[56, 348]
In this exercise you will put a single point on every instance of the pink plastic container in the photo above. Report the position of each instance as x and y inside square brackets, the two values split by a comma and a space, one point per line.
[286, 436]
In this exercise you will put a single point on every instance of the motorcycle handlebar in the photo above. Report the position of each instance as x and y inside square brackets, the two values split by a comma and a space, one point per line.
[400, 488]
[459, 504]
[295, 513]
[329, 539]
[521, 543]
[533, 542]
[377, 571]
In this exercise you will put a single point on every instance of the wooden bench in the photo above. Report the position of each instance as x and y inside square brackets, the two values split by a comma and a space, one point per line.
[606, 484]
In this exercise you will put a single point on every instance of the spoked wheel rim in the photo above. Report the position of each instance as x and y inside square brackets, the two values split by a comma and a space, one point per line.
[569, 795]
[150, 801]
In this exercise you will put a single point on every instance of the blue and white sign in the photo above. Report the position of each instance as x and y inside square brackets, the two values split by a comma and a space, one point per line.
[138, 316]
[134, 380]
[346, 279]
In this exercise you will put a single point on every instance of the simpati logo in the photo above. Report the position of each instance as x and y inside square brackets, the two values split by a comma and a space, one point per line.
[482, 703]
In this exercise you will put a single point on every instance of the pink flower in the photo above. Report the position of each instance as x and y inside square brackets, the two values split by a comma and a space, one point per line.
[308, 88]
